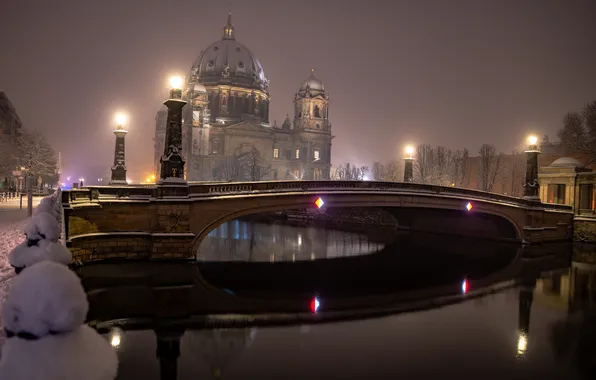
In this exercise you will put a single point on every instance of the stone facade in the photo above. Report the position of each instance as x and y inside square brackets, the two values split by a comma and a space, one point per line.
[226, 130]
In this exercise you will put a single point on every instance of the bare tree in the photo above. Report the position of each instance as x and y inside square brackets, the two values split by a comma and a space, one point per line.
[424, 163]
[490, 166]
[517, 169]
[245, 166]
[389, 172]
[442, 168]
[37, 155]
[255, 167]
[350, 172]
[574, 134]
[229, 169]
[8, 155]
[460, 167]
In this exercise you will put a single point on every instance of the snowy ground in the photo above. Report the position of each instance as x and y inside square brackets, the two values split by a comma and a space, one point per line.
[12, 222]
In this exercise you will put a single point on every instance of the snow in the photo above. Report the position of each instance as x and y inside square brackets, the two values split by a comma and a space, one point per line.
[13, 222]
[43, 225]
[24, 255]
[50, 297]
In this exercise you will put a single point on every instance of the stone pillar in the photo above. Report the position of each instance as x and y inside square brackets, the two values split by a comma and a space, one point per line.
[168, 352]
[172, 164]
[408, 169]
[531, 186]
[119, 167]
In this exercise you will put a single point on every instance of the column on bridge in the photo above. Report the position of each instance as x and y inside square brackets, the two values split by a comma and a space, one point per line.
[531, 186]
[119, 167]
[172, 164]
[409, 164]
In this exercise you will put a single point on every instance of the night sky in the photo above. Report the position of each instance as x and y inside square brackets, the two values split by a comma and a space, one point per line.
[457, 73]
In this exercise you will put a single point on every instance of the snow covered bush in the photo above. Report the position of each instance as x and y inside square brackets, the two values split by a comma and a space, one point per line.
[42, 233]
[44, 315]
[50, 206]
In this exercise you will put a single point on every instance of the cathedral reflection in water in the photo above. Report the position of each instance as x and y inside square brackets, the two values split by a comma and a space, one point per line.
[253, 241]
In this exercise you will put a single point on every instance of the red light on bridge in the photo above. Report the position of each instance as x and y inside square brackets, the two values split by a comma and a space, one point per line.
[319, 202]
[314, 305]
[469, 206]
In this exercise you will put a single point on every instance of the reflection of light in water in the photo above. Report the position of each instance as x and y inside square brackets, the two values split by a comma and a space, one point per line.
[115, 337]
[315, 304]
[522, 343]
[252, 241]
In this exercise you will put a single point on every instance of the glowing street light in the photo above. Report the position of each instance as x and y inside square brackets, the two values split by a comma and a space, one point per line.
[176, 82]
[532, 140]
[409, 152]
[121, 119]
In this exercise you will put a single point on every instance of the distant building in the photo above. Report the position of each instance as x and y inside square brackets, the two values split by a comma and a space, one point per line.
[226, 129]
[10, 123]
[10, 129]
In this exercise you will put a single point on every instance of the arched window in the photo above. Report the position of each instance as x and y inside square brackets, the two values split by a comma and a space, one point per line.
[317, 111]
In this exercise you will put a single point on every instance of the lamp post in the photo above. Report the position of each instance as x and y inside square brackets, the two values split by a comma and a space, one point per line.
[409, 164]
[119, 167]
[172, 164]
[531, 187]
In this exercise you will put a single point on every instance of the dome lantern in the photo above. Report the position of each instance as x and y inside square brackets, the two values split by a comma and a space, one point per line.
[228, 31]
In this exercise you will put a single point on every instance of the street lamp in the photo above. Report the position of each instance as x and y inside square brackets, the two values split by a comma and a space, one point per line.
[532, 187]
[409, 164]
[119, 167]
[172, 164]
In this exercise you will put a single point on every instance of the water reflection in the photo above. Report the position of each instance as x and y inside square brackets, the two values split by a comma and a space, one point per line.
[241, 240]
[514, 331]
[367, 348]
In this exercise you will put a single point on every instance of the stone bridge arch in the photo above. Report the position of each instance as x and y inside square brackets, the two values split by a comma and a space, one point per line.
[208, 214]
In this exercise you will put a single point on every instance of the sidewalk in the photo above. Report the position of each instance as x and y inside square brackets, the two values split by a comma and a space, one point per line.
[12, 222]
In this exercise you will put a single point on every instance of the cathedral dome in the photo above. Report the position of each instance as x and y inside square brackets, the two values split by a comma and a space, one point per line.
[312, 83]
[199, 88]
[229, 62]
[567, 162]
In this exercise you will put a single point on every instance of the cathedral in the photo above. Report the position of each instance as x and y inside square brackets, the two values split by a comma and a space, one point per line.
[226, 131]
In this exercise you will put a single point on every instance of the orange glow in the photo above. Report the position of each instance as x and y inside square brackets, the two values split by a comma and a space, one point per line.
[319, 202]
[469, 206]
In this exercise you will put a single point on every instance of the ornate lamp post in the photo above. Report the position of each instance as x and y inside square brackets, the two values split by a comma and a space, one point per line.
[172, 164]
[119, 167]
[409, 164]
[531, 187]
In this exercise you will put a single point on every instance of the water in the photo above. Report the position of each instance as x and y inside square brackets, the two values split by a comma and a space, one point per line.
[394, 306]
[256, 241]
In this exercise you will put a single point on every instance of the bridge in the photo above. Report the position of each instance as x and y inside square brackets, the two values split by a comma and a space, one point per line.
[169, 222]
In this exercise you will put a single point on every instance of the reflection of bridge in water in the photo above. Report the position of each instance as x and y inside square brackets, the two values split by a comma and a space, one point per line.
[253, 241]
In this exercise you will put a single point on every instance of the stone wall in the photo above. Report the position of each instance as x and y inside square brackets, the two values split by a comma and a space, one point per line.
[110, 246]
[584, 230]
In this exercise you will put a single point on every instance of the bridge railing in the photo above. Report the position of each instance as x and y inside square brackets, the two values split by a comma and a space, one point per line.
[207, 189]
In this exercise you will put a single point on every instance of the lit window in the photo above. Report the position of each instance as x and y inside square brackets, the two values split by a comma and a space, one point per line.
[316, 155]
[297, 153]
[275, 153]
